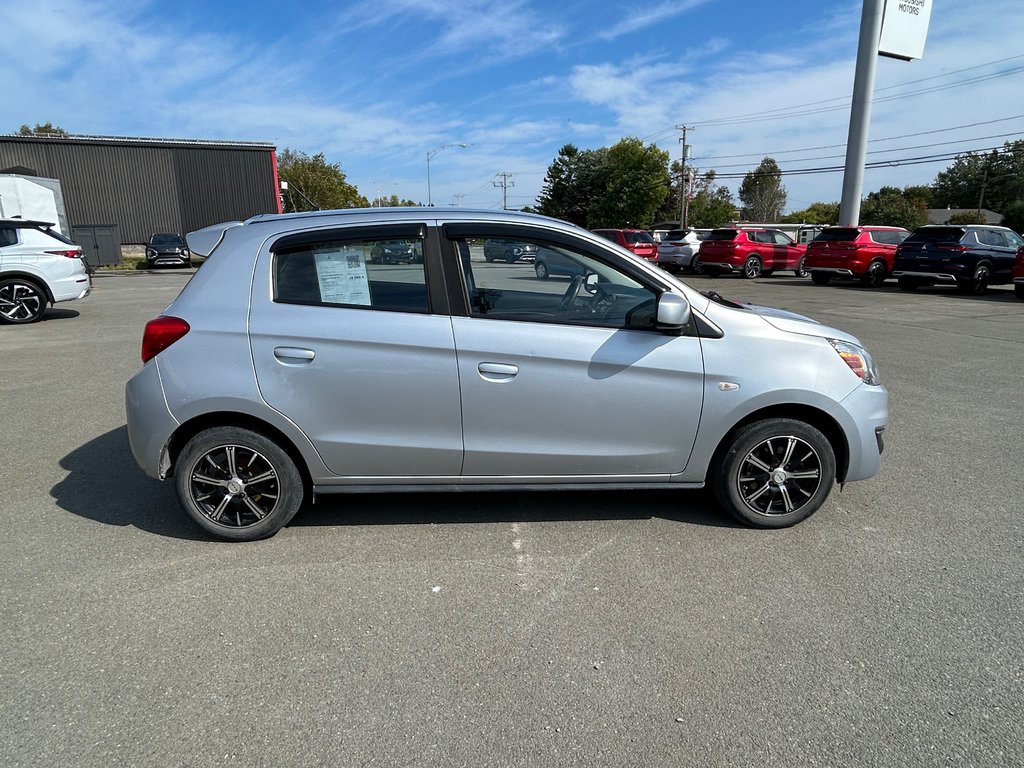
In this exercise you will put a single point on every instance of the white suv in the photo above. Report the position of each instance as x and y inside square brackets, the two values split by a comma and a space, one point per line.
[38, 266]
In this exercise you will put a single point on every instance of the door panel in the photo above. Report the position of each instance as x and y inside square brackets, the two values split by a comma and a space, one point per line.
[576, 401]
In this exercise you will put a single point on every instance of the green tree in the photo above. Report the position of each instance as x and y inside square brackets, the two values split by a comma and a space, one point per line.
[635, 183]
[815, 213]
[891, 206]
[992, 180]
[762, 193]
[966, 217]
[1014, 217]
[42, 129]
[395, 202]
[711, 205]
[313, 183]
[573, 180]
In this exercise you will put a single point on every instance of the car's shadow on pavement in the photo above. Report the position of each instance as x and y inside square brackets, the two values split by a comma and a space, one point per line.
[104, 484]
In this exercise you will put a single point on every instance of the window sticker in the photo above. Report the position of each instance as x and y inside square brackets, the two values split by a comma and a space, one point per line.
[342, 275]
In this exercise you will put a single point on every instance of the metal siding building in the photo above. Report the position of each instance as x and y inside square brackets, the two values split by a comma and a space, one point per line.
[150, 185]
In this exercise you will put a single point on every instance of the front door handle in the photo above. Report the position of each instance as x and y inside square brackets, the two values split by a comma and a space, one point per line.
[294, 355]
[497, 372]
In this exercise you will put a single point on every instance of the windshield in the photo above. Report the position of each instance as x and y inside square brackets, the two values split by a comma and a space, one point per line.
[166, 240]
[638, 237]
[837, 235]
[937, 235]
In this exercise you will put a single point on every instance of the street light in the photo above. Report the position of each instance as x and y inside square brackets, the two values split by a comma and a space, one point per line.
[430, 154]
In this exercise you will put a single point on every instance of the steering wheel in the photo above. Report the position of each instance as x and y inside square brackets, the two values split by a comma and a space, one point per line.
[571, 293]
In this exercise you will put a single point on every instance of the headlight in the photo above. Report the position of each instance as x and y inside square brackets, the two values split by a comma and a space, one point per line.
[150, 253]
[858, 359]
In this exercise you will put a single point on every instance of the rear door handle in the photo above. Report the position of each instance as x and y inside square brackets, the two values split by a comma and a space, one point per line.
[497, 372]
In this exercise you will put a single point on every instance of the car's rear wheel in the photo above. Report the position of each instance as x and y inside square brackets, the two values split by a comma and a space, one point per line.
[238, 484]
[800, 271]
[542, 270]
[775, 473]
[1018, 290]
[21, 301]
[821, 278]
[977, 284]
[752, 267]
[875, 274]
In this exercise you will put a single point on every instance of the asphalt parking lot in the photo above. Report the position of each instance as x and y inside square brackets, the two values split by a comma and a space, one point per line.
[516, 629]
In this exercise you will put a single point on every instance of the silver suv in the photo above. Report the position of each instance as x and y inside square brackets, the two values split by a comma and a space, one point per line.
[292, 364]
[38, 267]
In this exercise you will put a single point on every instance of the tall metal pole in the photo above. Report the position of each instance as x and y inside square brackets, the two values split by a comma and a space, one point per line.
[682, 180]
[430, 154]
[860, 111]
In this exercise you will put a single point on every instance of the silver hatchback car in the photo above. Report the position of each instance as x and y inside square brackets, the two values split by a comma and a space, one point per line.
[293, 364]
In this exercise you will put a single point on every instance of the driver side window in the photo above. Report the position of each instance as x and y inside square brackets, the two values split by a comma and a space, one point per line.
[537, 282]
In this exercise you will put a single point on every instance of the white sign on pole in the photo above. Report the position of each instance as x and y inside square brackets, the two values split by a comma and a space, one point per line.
[904, 28]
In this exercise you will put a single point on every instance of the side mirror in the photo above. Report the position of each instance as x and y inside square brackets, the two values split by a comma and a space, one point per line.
[590, 282]
[673, 312]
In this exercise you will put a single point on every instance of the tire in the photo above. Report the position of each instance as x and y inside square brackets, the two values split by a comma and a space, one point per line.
[752, 267]
[875, 274]
[542, 270]
[1018, 291]
[695, 267]
[776, 473]
[237, 484]
[21, 301]
[800, 271]
[510, 258]
[821, 278]
[909, 283]
[978, 283]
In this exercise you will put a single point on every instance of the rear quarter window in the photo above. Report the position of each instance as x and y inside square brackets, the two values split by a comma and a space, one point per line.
[8, 236]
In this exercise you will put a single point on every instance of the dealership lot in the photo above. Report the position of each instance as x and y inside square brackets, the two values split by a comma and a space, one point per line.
[639, 628]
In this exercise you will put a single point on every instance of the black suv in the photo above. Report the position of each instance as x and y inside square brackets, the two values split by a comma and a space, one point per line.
[167, 248]
[970, 256]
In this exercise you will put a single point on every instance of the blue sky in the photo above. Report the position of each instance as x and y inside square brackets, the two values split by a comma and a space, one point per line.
[376, 85]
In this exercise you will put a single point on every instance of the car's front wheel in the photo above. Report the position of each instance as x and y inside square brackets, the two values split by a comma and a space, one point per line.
[238, 484]
[542, 270]
[775, 473]
[1018, 290]
[21, 301]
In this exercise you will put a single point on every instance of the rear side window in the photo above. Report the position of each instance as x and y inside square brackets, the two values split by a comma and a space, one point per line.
[837, 235]
[991, 237]
[722, 234]
[373, 274]
[888, 236]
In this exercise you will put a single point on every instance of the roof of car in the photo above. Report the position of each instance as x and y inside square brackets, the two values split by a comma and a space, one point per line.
[203, 241]
[26, 223]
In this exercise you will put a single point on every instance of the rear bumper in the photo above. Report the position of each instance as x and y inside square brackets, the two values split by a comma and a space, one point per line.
[830, 271]
[938, 277]
[150, 423]
[77, 286]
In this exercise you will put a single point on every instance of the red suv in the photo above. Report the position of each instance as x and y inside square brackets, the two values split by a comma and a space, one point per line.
[751, 252]
[636, 241]
[1018, 274]
[863, 253]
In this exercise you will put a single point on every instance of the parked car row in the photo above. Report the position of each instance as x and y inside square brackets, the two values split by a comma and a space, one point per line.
[970, 257]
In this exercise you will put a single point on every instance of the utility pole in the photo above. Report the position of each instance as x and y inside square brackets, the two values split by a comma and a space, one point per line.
[505, 183]
[683, 186]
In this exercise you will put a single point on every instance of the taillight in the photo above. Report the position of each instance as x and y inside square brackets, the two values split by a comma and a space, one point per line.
[954, 248]
[75, 253]
[160, 333]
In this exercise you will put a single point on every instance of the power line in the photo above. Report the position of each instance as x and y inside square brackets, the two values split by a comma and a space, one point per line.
[887, 138]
